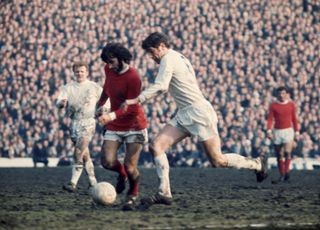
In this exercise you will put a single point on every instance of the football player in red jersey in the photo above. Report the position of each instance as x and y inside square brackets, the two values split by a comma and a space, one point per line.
[282, 114]
[122, 126]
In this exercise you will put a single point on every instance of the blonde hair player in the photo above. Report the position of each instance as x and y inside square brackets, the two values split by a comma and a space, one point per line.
[79, 98]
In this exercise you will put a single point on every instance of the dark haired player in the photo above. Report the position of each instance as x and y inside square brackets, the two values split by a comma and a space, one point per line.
[122, 126]
[282, 114]
[195, 117]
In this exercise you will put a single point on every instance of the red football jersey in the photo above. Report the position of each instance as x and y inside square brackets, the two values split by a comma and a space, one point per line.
[283, 115]
[118, 88]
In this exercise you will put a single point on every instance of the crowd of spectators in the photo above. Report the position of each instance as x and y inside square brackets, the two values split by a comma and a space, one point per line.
[241, 51]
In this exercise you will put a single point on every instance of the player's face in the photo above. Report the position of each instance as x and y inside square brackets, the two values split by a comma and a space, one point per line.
[81, 73]
[157, 53]
[114, 65]
[282, 96]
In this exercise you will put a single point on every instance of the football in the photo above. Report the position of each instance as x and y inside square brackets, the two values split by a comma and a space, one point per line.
[104, 193]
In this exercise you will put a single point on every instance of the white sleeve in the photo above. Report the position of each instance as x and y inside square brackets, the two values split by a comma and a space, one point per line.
[63, 95]
[106, 107]
[161, 83]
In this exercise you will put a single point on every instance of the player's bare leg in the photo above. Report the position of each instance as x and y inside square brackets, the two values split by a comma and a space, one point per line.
[167, 137]
[109, 161]
[212, 148]
[131, 162]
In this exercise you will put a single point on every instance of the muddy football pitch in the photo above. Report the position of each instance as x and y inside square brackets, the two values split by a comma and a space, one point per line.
[203, 199]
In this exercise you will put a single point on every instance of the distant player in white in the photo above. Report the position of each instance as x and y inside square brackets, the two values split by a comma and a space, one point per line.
[79, 98]
[195, 117]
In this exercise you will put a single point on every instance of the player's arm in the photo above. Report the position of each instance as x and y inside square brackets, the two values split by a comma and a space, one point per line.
[133, 90]
[270, 121]
[295, 120]
[160, 85]
[62, 100]
[103, 101]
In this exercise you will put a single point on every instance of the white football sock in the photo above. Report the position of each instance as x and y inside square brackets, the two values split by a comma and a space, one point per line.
[88, 165]
[76, 173]
[163, 168]
[238, 161]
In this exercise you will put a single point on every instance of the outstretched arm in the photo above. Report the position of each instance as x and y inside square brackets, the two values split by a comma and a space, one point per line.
[133, 90]
[161, 84]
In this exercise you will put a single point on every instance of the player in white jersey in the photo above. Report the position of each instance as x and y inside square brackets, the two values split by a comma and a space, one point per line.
[79, 98]
[195, 117]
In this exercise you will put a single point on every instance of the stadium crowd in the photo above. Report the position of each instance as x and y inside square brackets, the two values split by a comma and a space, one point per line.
[241, 51]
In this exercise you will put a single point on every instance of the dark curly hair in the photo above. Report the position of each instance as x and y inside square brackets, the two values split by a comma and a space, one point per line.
[115, 50]
[282, 88]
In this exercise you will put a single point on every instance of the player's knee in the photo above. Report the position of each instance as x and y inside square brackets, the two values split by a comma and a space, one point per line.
[78, 152]
[131, 169]
[156, 148]
[85, 158]
[219, 163]
[107, 163]
[78, 162]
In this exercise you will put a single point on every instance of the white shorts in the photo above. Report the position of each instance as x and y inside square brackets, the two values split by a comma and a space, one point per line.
[138, 136]
[83, 128]
[199, 120]
[283, 136]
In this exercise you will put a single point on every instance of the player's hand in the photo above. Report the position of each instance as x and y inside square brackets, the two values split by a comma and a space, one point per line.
[62, 104]
[104, 119]
[297, 136]
[270, 136]
[98, 112]
[124, 106]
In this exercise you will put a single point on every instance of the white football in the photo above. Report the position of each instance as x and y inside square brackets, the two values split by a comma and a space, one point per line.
[104, 193]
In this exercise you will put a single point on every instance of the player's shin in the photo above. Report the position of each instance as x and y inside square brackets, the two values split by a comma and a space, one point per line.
[134, 184]
[119, 168]
[287, 165]
[77, 169]
[281, 165]
[237, 161]
[162, 167]
[89, 168]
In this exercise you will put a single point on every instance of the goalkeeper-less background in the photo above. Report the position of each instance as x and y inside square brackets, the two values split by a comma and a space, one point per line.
[241, 51]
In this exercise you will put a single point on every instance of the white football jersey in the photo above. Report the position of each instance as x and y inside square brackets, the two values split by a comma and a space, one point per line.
[177, 76]
[81, 99]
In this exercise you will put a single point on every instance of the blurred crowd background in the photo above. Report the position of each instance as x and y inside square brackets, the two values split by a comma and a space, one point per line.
[241, 51]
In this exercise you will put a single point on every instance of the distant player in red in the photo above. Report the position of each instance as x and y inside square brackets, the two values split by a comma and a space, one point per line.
[122, 126]
[282, 114]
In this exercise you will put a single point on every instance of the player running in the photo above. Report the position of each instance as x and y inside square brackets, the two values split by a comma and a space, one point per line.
[79, 98]
[283, 114]
[122, 126]
[195, 117]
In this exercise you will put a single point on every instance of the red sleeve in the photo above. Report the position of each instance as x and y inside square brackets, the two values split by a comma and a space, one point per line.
[133, 91]
[294, 118]
[270, 118]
